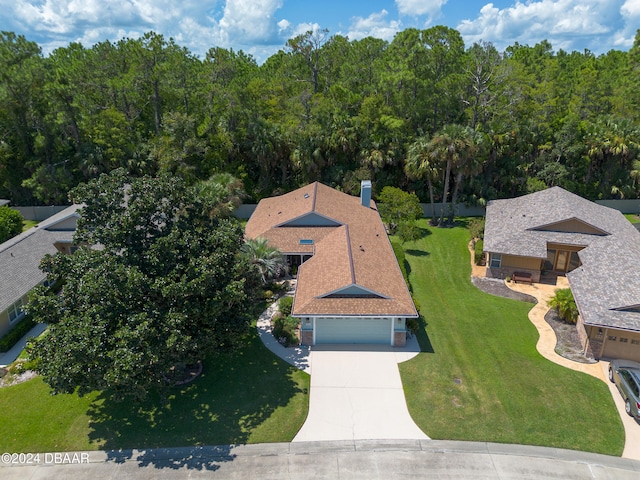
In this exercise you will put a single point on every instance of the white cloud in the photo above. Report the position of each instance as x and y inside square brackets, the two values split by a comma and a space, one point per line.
[250, 21]
[565, 23]
[420, 7]
[631, 8]
[198, 25]
[375, 25]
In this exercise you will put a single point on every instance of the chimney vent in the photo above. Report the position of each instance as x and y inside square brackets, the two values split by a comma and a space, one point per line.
[365, 193]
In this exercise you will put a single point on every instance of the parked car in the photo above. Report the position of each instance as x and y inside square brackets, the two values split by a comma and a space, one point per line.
[626, 375]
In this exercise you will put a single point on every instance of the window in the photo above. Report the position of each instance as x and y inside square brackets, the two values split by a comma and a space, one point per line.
[15, 311]
[612, 338]
[574, 261]
[635, 342]
[551, 259]
[496, 260]
[624, 340]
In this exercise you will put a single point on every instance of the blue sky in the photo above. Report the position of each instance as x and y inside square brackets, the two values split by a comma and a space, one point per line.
[262, 27]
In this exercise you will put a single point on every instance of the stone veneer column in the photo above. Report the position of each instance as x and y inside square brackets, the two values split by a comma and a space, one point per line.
[399, 339]
[307, 337]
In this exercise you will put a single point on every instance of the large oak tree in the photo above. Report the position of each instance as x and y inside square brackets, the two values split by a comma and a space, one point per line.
[157, 283]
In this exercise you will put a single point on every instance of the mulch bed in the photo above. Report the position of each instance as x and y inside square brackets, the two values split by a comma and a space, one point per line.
[497, 287]
[568, 343]
[183, 374]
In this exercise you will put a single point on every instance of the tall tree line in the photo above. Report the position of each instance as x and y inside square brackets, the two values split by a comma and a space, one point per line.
[423, 112]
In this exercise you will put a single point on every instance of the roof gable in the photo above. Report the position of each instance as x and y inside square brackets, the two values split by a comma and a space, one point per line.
[353, 291]
[571, 225]
[311, 219]
[64, 224]
[631, 309]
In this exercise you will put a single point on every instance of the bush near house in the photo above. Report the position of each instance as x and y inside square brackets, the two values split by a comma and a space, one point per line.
[476, 228]
[285, 305]
[565, 305]
[10, 223]
[15, 334]
[478, 255]
[285, 329]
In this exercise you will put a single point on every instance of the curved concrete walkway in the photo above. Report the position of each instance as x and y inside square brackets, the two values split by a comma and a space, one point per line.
[547, 343]
[546, 346]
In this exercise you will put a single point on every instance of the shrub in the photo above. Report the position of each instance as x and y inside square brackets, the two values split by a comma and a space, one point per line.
[400, 256]
[14, 335]
[10, 223]
[412, 325]
[285, 305]
[285, 329]
[476, 228]
[478, 255]
[267, 294]
[416, 303]
[565, 305]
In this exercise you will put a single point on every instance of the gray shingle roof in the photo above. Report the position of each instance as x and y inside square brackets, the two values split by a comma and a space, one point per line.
[609, 278]
[20, 256]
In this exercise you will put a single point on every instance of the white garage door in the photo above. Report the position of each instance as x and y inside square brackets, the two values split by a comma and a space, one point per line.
[353, 330]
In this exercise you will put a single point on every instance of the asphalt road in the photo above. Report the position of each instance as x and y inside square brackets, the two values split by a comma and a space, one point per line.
[361, 459]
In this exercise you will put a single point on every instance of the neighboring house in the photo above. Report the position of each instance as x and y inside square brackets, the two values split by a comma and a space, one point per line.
[20, 259]
[349, 287]
[596, 247]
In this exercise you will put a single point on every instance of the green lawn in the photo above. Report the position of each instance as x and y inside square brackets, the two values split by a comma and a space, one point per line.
[27, 224]
[249, 396]
[632, 217]
[480, 377]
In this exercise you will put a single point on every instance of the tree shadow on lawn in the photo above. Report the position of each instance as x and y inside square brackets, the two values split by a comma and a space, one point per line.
[417, 253]
[423, 337]
[236, 393]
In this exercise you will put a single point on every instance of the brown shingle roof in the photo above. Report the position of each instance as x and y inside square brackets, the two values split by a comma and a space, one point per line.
[355, 251]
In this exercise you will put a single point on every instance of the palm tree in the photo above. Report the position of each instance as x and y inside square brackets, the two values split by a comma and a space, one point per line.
[268, 261]
[453, 146]
[468, 165]
[419, 165]
[612, 145]
[222, 193]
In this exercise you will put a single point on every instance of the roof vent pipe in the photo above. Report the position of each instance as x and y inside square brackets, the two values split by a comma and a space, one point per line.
[365, 193]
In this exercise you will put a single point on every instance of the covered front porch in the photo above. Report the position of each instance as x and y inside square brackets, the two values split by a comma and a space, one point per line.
[560, 259]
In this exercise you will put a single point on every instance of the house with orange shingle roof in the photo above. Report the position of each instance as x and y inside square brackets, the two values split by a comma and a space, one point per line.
[349, 288]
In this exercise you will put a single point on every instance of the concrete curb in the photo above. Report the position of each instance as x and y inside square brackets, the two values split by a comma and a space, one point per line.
[364, 459]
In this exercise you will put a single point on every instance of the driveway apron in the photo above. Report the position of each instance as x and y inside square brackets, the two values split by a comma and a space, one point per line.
[356, 394]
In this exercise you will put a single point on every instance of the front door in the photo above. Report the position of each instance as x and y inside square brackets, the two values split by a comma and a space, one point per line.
[562, 257]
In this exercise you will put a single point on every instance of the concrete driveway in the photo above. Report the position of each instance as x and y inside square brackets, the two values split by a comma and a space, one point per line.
[356, 394]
